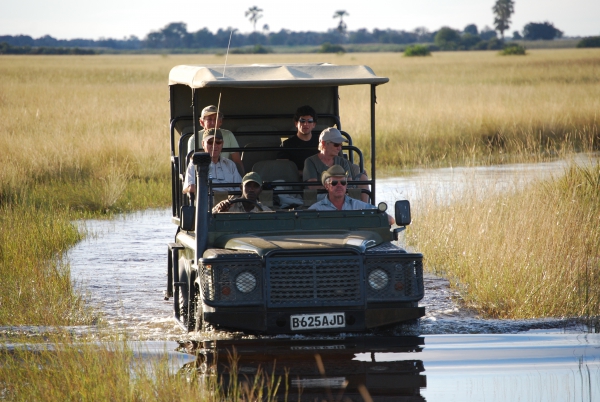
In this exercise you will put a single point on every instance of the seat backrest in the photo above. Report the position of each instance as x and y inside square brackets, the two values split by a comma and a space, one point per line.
[254, 136]
[249, 158]
[279, 169]
[184, 151]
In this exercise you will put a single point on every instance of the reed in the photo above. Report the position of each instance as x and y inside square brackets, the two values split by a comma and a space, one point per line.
[87, 136]
[118, 371]
[525, 253]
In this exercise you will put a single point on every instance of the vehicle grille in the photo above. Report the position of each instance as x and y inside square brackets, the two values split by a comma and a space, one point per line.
[314, 281]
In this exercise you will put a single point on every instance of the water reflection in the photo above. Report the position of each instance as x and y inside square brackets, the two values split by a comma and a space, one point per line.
[525, 367]
[325, 369]
[122, 266]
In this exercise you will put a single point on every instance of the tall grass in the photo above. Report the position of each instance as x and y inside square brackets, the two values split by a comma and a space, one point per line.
[88, 136]
[477, 108]
[115, 371]
[527, 253]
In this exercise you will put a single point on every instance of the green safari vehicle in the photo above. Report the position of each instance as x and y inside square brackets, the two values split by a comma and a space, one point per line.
[289, 270]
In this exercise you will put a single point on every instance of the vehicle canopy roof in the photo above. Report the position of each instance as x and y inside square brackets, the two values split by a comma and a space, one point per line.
[266, 93]
[272, 75]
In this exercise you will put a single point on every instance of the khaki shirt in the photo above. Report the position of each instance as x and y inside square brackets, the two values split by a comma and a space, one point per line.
[239, 207]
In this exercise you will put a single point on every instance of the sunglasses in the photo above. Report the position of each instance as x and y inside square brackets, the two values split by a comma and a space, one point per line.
[211, 141]
[335, 182]
[306, 121]
[335, 144]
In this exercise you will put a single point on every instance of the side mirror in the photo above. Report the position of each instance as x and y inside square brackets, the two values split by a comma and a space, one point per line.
[402, 213]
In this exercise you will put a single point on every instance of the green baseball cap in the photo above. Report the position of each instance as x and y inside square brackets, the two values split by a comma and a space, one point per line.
[252, 176]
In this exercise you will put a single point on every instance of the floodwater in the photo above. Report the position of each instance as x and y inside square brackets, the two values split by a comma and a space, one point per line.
[121, 267]
[486, 367]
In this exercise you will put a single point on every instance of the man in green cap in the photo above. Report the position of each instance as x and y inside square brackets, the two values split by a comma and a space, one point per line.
[251, 188]
[335, 181]
[210, 118]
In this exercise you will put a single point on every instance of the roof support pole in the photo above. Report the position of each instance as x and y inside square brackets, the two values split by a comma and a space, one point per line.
[373, 102]
[196, 122]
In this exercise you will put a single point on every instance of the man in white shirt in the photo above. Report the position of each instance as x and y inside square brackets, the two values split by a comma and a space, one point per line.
[221, 170]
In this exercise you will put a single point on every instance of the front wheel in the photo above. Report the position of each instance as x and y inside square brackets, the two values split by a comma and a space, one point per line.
[187, 297]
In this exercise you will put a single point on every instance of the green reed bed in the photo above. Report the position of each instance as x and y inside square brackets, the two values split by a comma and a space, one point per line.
[88, 137]
[527, 253]
[116, 371]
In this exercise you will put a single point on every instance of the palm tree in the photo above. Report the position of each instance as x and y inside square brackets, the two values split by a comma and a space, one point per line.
[503, 9]
[254, 14]
[341, 14]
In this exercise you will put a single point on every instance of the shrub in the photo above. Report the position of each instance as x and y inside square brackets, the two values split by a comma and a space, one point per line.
[417, 50]
[513, 49]
[591, 41]
[331, 48]
[447, 38]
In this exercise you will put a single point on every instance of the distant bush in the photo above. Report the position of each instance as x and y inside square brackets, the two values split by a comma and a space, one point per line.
[5, 48]
[447, 39]
[417, 50]
[256, 49]
[541, 30]
[592, 41]
[513, 49]
[331, 48]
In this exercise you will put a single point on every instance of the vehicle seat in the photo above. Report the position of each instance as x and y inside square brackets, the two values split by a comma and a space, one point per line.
[249, 158]
[279, 170]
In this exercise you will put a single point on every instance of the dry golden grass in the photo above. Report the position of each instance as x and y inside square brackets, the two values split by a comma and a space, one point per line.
[89, 134]
[526, 253]
[82, 135]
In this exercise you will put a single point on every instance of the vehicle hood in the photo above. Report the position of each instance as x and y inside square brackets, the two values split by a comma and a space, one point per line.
[357, 240]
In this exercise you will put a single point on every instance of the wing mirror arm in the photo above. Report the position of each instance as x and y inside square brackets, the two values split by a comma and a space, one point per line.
[397, 231]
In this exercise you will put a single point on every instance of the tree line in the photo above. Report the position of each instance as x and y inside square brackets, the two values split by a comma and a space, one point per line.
[176, 36]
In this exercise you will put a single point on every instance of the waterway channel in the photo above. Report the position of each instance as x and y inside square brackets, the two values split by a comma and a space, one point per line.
[121, 267]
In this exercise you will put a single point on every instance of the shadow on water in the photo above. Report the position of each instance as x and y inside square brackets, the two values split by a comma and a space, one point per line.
[324, 369]
[533, 367]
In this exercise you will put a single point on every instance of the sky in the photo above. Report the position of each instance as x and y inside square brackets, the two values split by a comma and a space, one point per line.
[118, 19]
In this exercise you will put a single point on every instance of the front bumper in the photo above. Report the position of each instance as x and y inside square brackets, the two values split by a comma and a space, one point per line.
[278, 322]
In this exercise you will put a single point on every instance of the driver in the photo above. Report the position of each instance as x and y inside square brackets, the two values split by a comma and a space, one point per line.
[251, 188]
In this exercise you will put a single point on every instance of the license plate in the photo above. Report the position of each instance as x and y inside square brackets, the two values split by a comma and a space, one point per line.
[317, 321]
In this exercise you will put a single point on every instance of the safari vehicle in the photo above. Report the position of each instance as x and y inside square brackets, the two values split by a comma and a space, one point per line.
[290, 270]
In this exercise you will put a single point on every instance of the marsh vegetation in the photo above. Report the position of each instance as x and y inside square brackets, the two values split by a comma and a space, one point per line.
[87, 137]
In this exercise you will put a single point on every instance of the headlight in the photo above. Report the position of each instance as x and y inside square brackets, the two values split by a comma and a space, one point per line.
[378, 279]
[245, 282]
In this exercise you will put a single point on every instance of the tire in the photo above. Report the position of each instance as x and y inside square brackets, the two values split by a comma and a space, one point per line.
[186, 309]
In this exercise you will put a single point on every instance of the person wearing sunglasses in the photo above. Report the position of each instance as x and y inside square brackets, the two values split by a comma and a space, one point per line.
[335, 181]
[221, 170]
[305, 121]
[330, 145]
[209, 118]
